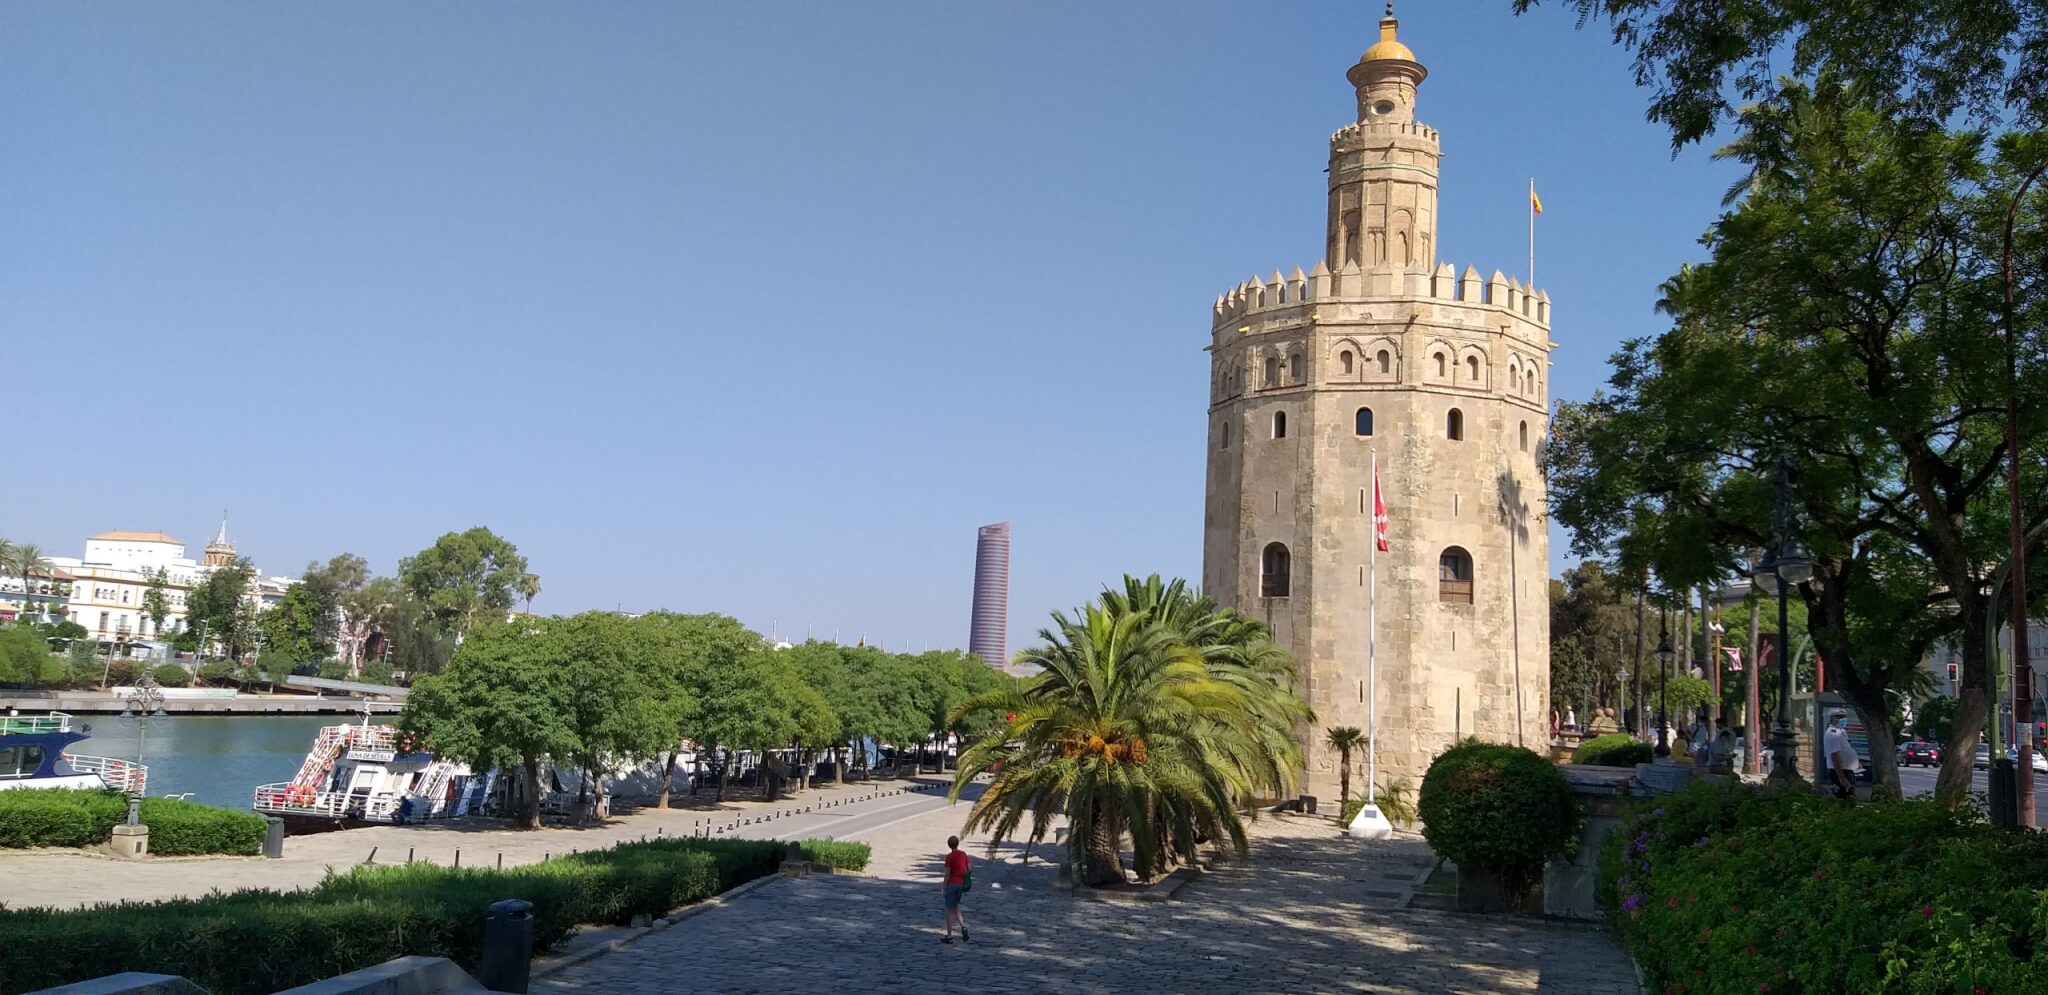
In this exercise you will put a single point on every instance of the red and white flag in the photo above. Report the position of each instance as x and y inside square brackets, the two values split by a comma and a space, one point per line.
[1379, 511]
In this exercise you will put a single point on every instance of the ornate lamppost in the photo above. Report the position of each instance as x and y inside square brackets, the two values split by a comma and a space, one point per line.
[145, 701]
[1664, 654]
[1785, 566]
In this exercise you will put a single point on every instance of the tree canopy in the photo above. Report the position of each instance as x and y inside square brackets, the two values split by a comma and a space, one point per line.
[465, 577]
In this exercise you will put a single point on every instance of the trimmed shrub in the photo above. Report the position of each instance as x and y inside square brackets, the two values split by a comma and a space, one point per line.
[1724, 888]
[263, 941]
[1615, 749]
[1499, 809]
[31, 817]
[839, 856]
[171, 675]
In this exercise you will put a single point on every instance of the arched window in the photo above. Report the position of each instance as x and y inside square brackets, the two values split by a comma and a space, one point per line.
[1441, 369]
[1472, 368]
[1279, 424]
[1223, 436]
[1525, 437]
[1454, 425]
[1272, 371]
[1454, 577]
[1386, 361]
[1296, 369]
[1362, 423]
[1344, 362]
[1274, 568]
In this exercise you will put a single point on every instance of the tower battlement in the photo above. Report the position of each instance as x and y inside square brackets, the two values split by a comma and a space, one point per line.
[1258, 298]
[1379, 129]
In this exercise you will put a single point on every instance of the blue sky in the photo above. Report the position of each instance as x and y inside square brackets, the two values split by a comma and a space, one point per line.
[744, 307]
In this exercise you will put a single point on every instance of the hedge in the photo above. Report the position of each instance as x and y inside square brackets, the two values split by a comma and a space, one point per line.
[1725, 888]
[1500, 809]
[838, 855]
[264, 941]
[68, 817]
[1615, 749]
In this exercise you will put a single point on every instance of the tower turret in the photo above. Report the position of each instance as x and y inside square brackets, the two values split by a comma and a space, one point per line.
[1383, 167]
[221, 551]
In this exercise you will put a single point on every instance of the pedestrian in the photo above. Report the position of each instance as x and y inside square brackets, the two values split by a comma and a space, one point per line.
[958, 877]
[1721, 755]
[1841, 755]
[1702, 739]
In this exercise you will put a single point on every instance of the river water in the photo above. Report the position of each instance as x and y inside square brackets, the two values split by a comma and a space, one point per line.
[219, 759]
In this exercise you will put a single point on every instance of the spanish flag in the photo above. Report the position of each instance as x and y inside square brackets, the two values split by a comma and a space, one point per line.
[1535, 202]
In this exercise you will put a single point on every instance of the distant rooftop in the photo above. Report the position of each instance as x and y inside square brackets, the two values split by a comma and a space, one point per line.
[137, 537]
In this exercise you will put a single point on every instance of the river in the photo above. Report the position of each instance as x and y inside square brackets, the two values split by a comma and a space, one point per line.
[218, 759]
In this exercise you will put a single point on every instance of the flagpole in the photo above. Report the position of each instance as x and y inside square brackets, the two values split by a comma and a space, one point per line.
[1532, 234]
[1372, 627]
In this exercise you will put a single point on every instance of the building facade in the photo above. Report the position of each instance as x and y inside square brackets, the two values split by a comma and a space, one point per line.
[988, 630]
[107, 584]
[1384, 352]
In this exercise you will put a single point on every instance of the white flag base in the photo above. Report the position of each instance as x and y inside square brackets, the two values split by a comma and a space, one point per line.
[1369, 824]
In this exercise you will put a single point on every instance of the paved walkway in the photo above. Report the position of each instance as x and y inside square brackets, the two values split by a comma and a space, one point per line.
[71, 878]
[1313, 912]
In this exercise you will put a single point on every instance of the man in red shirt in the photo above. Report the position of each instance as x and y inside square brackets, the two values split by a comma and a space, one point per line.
[956, 885]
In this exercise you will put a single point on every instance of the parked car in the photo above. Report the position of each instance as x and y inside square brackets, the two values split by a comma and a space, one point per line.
[2040, 762]
[1919, 752]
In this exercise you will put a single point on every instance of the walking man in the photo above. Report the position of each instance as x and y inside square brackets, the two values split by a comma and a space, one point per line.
[956, 885]
[1841, 756]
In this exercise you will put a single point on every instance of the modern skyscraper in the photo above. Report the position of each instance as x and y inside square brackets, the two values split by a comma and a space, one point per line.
[988, 634]
[1385, 354]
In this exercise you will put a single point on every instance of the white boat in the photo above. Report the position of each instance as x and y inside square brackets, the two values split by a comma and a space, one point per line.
[363, 774]
[34, 754]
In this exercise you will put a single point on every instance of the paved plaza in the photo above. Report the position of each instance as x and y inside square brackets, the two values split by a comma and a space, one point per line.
[1314, 912]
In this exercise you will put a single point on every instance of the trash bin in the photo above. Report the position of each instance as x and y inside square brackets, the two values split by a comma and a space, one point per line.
[508, 946]
[273, 838]
[1308, 804]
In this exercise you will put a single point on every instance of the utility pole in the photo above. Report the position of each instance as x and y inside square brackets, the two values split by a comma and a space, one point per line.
[2022, 672]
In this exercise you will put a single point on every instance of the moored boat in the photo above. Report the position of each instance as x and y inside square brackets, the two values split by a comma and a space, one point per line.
[34, 753]
[363, 774]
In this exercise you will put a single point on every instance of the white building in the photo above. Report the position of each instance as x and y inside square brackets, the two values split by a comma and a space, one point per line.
[107, 584]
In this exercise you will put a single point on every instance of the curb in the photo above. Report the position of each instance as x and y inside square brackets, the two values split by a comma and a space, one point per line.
[558, 964]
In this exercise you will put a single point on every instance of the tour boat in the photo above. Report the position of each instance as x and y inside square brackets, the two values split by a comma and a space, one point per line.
[363, 774]
[33, 755]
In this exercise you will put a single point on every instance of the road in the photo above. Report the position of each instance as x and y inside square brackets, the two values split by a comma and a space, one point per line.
[1920, 781]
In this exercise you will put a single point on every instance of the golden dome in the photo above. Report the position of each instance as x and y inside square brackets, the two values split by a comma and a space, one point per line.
[1387, 48]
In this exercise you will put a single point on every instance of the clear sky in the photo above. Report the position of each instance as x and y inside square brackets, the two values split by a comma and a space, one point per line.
[749, 307]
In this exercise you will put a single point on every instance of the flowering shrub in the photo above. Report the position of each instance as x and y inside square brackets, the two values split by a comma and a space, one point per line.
[1498, 808]
[1722, 888]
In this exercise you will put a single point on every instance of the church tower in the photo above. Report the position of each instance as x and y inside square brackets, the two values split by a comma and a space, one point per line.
[221, 551]
[1382, 351]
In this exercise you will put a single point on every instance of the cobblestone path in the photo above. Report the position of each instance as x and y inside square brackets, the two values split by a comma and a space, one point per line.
[1312, 913]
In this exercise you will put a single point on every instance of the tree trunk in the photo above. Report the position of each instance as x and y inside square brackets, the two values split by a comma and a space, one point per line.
[1958, 755]
[1343, 780]
[839, 767]
[530, 817]
[1100, 863]
[724, 775]
[1635, 670]
[668, 778]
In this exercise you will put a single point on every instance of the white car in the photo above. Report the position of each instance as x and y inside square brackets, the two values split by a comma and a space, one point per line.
[2040, 760]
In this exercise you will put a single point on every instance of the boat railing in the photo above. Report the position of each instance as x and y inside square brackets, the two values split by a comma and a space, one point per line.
[121, 775]
[286, 797]
[28, 725]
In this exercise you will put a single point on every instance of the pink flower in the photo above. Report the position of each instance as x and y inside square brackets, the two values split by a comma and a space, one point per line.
[1927, 911]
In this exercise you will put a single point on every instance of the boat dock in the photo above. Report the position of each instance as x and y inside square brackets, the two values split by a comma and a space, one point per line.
[175, 703]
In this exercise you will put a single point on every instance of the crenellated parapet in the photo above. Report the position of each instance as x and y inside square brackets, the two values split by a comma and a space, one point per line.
[1363, 132]
[1262, 300]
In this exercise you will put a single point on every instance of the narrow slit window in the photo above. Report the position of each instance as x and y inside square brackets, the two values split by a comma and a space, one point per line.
[1454, 425]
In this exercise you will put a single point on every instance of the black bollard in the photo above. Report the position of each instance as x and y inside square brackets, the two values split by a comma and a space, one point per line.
[372, 858]
[408, 855]
[458, 858]
[508, 947]
[501, 860]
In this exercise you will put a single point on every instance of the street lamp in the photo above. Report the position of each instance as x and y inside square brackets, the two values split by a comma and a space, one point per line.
[1664, 654]
[145, 701]
[1785, 566]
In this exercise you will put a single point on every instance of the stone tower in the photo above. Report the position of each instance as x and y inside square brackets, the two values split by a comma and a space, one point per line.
[221, 551]
[1381, 350]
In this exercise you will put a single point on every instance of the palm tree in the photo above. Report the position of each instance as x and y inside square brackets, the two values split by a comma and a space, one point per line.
[26, 559]
[529, 588]
[1155, 716]
[1344, 739]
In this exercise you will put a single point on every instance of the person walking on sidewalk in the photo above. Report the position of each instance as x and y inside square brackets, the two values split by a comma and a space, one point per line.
[957, 878]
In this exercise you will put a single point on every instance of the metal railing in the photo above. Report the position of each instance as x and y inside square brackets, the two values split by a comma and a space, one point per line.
[25, 725]
[121, 775]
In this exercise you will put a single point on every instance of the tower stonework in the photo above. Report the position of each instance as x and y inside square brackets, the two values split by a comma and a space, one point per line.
[1383, 350]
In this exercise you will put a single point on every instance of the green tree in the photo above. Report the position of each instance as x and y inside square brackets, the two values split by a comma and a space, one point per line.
[464, 578]
[529, 589]
[156, 604]
[606, 666]
[1925, 61]
[1934, 718]
[293, 626]
[24, 656]
[1346, 740]
[680, 648]
[342, 618]
[412, 640]
[1847, 323]
[1130, 729]
[502, 702]
[219, 609]
[743, 704]
[274, 665]
[26, 560]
